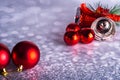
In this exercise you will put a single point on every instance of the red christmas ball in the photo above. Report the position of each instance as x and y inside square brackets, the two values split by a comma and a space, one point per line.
[25, 53]
[4, 56]
[87, 35]
[73, 27]
[71, 38]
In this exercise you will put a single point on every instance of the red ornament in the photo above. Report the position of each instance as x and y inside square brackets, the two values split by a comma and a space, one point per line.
[73, 27]
[87, 35]
[71, 38]
[25, 53]
[4, 56]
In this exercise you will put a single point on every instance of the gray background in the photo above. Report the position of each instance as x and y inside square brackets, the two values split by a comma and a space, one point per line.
[43, 22]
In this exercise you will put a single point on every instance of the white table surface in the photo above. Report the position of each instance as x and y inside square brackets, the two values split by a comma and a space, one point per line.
[43, 22]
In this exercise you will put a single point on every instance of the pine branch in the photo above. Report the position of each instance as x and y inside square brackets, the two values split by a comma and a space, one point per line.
[117, 12]
[114, 9]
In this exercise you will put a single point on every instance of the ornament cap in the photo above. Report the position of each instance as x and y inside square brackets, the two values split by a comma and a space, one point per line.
[20, 68]
[4, 72]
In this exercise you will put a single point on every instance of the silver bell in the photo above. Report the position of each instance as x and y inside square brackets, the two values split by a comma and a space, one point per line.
[104, 28]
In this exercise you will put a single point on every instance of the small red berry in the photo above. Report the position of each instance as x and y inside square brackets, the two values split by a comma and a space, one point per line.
[73, 27]
[71, 38]
[87, 35]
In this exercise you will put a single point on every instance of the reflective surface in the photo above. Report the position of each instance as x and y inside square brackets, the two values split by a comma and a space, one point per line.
[104, 28]
[44, 22]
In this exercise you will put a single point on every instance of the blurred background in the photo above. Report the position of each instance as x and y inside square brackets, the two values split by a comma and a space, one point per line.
[43, 22]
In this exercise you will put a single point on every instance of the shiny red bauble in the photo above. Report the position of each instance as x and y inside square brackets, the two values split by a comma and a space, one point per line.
[25, 53]
[87, 35]
[71, 38]
[4, 56]
[73, 27]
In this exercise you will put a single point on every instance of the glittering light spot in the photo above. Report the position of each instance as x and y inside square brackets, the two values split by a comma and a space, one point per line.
[4, 35]
[2, 56]
[32, 55]
[90, 35]
[25, 28]
[76, 37]
[14, 32]
[30, 34]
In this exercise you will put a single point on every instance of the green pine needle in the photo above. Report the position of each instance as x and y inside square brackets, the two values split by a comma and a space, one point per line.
[117, 23]
[115, 10]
